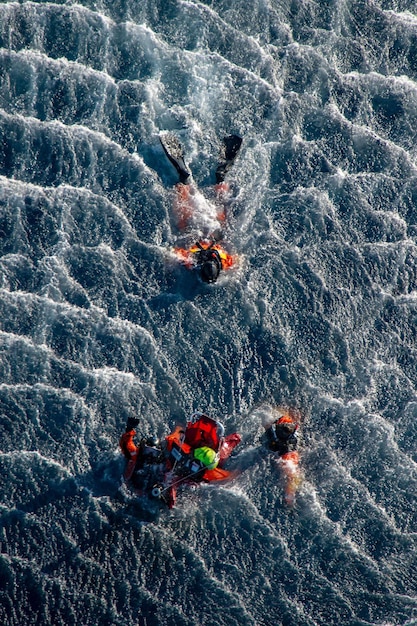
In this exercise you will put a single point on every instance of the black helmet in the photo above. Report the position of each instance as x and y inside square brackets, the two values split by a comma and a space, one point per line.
[209, 262]
[152, 441]
[210, 271]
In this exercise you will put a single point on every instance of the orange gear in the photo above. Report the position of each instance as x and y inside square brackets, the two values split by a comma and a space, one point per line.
[127, 445]
[227, 259]
[130, 452]
[177, 437]
[285, 419]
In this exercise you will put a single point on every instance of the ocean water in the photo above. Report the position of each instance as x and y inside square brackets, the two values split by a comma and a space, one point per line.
[98, 322]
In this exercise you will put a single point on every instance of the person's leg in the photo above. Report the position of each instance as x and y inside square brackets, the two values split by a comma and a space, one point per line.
[229, 150]
[222, 191]
[183, 205]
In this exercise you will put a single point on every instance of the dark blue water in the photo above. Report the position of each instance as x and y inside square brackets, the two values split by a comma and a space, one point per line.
[98, 322]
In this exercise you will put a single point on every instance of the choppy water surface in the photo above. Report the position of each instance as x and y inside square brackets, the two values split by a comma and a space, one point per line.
[98, 322]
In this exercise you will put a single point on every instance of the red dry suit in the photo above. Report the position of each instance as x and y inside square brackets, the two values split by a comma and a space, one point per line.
[130, 452]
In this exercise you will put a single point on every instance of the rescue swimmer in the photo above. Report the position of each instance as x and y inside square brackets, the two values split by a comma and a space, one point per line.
[282, 437]
[192, 210]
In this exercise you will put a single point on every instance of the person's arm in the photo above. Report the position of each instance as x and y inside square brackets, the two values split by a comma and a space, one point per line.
[185, 256]
[131, 453]
[222, 191]
[129, 448]
[228, 260]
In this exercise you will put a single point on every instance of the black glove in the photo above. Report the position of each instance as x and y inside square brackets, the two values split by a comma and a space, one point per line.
[132, 422]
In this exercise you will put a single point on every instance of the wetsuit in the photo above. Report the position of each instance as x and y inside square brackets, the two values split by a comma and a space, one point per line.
[282, 437]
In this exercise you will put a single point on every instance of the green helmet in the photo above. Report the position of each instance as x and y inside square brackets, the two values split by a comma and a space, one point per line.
[207, 456]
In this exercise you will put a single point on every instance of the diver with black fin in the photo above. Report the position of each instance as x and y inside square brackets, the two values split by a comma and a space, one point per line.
[206, 256]
[173, 150]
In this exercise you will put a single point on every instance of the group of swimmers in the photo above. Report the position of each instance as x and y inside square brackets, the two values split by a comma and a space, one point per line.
[188, 455]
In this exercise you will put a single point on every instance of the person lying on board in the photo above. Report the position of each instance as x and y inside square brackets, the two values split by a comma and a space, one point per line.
[191, 454]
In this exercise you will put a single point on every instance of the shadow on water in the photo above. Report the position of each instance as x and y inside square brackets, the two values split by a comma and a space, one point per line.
[181, 285]
[106, 481]
[103, 484]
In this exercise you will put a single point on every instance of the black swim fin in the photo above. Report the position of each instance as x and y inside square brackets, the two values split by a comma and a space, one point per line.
[173, 150]
[230, 148]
